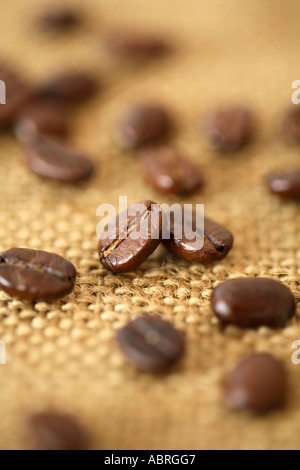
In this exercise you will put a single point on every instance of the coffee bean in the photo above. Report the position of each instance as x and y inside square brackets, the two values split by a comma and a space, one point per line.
[258, 383]
[290, 125]
[170, 172]
[41, 119]
[35, 275]
[49, 158]
[68, 88]
[228, 129]
[54, 431]
[285, 183]
[134, 46]
[59, 20]
[150, 344]
[131, 237]
[253, 302]
[143, 124]
[186, 240]
[18, 95]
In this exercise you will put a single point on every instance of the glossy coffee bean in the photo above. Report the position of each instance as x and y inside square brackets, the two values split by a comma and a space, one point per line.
[285, 184]
[228, 129]
[134, 46]
[141, 125]
[35, 275]
[59, 20]
[258, 383]
[170, 172]
[186, 239]
[18, 95]
[55, 431]
[150, 344]
[41, 119]
[50, 159]
[290, 125]
[69, 88]
[131, 237]
[253, 302]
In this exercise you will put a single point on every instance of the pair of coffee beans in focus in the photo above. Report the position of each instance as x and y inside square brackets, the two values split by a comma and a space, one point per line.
[130, 238]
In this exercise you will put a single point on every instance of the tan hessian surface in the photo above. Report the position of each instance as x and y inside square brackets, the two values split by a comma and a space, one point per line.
[63, 355]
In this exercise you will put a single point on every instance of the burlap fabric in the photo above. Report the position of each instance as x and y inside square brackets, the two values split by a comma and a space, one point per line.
[63, 355]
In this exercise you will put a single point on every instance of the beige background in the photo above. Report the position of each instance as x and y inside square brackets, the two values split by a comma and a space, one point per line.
[63, 355]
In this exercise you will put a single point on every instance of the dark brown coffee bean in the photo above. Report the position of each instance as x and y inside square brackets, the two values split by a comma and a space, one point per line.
[228, 129]
[290, 125]
[59, 20]
[41, 119]
[258, 383]
[186, 239]
[35, 275]
[170, 172]
[134, 46]
[68, 88]
[54, 431]
[144, 124]
[253, 302]
[285, 183]
[150, 344]
[49, 158]
[18, 94]
[131, 237]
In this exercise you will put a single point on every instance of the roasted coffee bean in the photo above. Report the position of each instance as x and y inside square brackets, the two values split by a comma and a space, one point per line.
[290, 125]
[258, 383]
[191, 242]
[59, 20]
[68, 88]
[253, 302]
[54, 431]
[35, 275]
[41, 119]
[228, 129]
[144, 124]
[150, 344]
[18, 95]
[131, 237]
[285, 183]
[170, 172]
[49, 158]
[134, 46]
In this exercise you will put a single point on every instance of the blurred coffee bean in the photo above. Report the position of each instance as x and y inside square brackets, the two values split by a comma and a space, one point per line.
[49, 119]
[228, 129]
[135, 46]
[141, 125]
[69, 87]
[290, 125]
[59, 20]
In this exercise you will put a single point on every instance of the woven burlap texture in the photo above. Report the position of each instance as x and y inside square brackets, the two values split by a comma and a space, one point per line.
[63, 355]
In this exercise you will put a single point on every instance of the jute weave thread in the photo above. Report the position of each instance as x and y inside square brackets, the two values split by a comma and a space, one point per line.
[64, 355]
